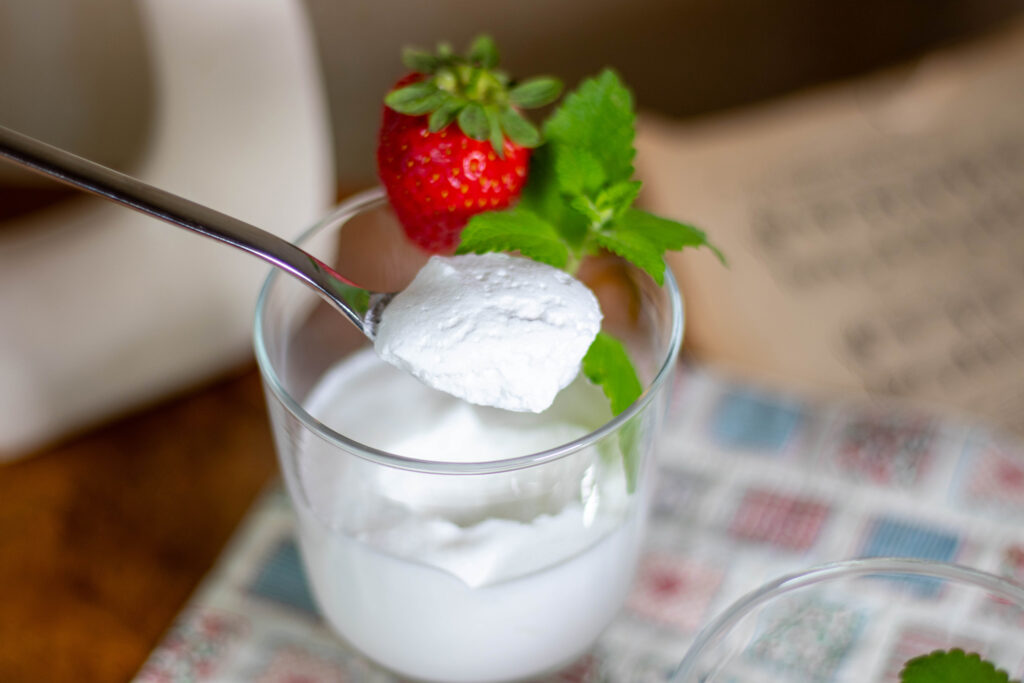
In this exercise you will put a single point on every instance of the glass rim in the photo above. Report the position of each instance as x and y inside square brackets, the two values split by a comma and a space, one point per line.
[369, 199]
[711, 634]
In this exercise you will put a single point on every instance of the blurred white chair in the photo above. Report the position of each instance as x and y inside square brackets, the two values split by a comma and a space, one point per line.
[103, 309]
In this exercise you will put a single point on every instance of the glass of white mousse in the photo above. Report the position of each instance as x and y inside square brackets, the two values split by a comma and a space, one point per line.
[448, 541]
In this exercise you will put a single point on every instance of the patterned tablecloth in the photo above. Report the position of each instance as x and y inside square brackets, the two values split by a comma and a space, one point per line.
[753, 484]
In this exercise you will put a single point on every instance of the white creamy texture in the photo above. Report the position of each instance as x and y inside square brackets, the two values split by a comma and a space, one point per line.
[425, 624]
[492, 329]
[452, 578]
[449, 521]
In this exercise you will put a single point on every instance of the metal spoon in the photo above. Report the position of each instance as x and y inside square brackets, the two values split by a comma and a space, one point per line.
[86, 175]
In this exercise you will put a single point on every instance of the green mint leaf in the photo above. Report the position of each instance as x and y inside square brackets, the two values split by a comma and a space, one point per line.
[952, 666]
[420, 61]
[607, 365]
[445, 114]
[618, 197]
[484, 52]
[585, 206]
[635, 248]
[664, 233]
[518, 129]
[473, 121]
[597, 117]
[535, 92]
[543, 197]
[578, 171]
[415, 99]
[514, 229]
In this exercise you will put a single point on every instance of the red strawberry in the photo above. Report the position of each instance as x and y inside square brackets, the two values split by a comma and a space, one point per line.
[452, 143]
[437, 181]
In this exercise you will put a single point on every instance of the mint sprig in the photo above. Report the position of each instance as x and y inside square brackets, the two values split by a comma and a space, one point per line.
[579, 200]
[952, 666]
[581, 185]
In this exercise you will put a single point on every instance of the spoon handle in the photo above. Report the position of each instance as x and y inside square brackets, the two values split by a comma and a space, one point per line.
[117, 187]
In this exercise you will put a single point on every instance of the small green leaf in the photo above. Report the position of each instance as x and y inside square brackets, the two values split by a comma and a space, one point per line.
[578, 170]
[542, 196]
[445, 114]
[484, 52]
[518, 129]
[607, 365]
[664, 233]
[586, 207]
[514, 230]
[494, 131]
[535, 92]
[473, 121]
[416, 99]
[636, 249]
[952, 666]
[597, 117]
[420, 61]
[619, 197]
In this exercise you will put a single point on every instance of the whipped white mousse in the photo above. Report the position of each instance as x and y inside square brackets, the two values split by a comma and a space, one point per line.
[491, 329]
[453, 578]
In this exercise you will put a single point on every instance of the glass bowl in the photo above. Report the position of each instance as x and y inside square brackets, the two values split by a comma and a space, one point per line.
[859, 620]
[468, 568]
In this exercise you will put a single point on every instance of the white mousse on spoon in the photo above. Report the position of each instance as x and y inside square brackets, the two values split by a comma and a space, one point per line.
[491, 329]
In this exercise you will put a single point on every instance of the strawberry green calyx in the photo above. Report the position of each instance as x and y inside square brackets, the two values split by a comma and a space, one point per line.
[471, 91]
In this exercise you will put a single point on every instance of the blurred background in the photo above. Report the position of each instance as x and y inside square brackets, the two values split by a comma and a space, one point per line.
[80, 76]
[125, 362]
[682, 58]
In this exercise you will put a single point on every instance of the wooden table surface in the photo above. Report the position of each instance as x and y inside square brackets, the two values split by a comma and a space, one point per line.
[104, 537]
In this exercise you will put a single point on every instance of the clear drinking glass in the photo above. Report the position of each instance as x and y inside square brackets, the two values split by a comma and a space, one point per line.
[494, 567]
[860, 620]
